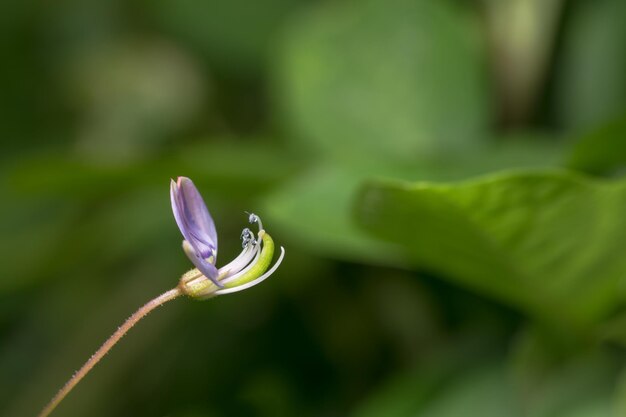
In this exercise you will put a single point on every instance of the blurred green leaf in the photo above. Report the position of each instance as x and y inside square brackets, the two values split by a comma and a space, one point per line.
[603, 150]
[536, 380]
[597, 407]
[133, 95]
[485, 392]
[408, 393]
[234, 35]
[231, 167]
[620, 395]
[550, 242]
[316, 207]
[405, 396]
[590, 81]
[395, 80]
[561, 378]
[27, 241]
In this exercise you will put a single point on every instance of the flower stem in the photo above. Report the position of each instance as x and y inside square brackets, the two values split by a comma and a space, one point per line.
[106, 346]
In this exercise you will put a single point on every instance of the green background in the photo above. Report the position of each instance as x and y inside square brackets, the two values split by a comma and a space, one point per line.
[446, 177]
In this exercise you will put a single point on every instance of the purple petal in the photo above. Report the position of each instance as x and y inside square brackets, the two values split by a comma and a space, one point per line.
[208, 269]
[193, 218]
[196, 211]
[176, 209]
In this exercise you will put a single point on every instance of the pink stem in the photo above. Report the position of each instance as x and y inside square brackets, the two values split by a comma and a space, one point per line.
[106, 346]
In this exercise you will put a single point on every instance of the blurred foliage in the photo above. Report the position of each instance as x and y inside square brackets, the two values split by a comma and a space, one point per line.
[446, 178]
[590, 86]
[601, 151]
[350, 83]
[522, 237]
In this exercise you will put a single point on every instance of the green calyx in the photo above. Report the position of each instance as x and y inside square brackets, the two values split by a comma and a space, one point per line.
[196, 285]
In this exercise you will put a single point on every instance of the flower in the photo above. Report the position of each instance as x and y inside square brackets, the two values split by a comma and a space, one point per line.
[200, 245]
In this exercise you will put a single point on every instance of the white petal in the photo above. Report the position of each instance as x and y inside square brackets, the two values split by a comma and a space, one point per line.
[256, 281]
[246, 269]
[240, 261]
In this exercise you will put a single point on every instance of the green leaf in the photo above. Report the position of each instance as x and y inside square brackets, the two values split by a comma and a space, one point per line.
[231, 167]
[316, 208]
[33, 231]
[395, 80]
[597, 407]
[620, 395]
[536, 379]
[603, 150]
[549, 242]
[590, 80]
[132, 96]
[485, 392]
[234, 35]
[561, 378]
[481, 391]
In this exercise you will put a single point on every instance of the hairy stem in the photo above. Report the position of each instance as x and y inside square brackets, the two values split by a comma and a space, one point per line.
[106, 346]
